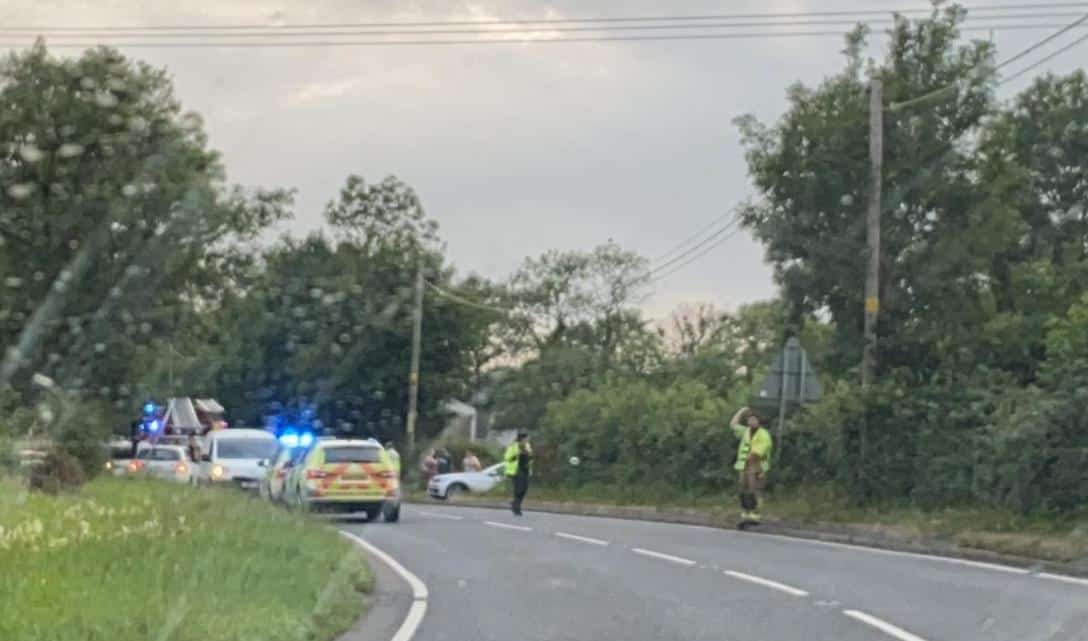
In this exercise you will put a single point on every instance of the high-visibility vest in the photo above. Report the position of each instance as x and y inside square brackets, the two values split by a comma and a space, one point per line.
[511, 458]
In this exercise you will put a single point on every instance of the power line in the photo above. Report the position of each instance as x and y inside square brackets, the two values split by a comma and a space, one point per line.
[357, 31]
[1044, 60]
[949, 88]
[694, 258]
[464, 301]
[687, 241]
[522, 21]
[479, 41]
[724, 228]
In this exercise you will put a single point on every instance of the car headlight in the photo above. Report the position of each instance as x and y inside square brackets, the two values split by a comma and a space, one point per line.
[218, 472]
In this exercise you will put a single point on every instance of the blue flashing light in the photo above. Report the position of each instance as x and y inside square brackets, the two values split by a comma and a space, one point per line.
[306, 440]
[149, 408]
[289, 439]
[155, 425]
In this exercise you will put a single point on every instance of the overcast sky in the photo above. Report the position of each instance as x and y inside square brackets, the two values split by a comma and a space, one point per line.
[514, 149]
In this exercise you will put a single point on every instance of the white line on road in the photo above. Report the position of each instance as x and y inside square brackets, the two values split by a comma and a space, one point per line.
[1062, 577]
[418, 608]
[767, 583]
[883, 626]
[436, 515]
[520, 528]
[583, 539]
[666, 557]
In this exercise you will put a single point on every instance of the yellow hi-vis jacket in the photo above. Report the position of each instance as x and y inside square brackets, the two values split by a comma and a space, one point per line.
[510, 457]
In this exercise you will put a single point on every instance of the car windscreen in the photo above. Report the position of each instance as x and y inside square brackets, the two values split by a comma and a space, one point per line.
[353, 454]
[246, 448]
[165, 454]
[121, 452]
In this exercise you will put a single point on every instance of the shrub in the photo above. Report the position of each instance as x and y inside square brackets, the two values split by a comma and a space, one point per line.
[58, 471]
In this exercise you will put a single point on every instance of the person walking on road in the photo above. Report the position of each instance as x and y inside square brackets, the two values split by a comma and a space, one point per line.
[394, 457]
[519, 461]
[429, 467]
[753, 461]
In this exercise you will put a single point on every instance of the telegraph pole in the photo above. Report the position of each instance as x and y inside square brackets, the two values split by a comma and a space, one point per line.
[413, 376]
[872, 275]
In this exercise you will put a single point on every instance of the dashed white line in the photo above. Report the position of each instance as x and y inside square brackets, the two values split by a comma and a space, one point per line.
[436, 515]
[1062, 577]
[520, 528]
[665, 557]
[775, 585]
[583, 539]
[418, 609]
[883, 626]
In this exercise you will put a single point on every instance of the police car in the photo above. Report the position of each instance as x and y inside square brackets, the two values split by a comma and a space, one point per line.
[345, 476]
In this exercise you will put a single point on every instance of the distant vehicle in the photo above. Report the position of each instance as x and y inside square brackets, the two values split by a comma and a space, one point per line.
[235, 456]
[166, 462]
[448, 486]
[277, 471]
[118, 455]
[345, 476]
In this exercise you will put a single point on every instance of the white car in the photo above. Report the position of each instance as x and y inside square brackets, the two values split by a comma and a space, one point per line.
[447, 486]
[165, 462]
[236, 456]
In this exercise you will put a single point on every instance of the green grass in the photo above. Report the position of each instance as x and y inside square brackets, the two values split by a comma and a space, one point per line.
[128, 560]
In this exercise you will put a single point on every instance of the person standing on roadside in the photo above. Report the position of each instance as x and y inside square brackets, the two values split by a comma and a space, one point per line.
[753, 461]
[429, 467]
[519, 461]
[445, 466]
[470, 463]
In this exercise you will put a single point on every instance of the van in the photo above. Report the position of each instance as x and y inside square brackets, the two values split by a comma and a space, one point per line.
[235, 456]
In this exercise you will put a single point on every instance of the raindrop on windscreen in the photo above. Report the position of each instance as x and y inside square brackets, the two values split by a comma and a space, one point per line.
[116, 84]
[21, 190]
[105, 100]
[345, 337]
[847, 200]
[316, 292]
[69, 150]
[130, 190]
[73, 244]
[39, 276]
[31, 153]
[137, 124]
[13, 281]
[88, 83]
[100, 347]
[45, 413]
[54, 357]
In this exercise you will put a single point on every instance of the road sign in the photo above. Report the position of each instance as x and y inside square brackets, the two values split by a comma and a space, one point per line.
[791, 377]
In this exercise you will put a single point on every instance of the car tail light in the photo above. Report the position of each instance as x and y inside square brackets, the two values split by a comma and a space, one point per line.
[315, 474]
[135, 466]
[387, 474]
[181, 468]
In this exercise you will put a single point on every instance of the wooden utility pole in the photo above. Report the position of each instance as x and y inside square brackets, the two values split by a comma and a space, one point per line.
[413, 376]
[872, 275]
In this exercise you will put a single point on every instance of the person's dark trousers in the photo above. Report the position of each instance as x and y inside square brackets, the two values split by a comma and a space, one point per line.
[521, 486]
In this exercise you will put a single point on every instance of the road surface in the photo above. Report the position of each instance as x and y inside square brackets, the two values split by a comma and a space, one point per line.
[491, 576]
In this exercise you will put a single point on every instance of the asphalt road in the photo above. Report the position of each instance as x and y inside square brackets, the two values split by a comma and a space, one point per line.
[587, 578]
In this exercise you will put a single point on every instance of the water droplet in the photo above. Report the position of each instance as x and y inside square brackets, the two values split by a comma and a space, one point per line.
[145, 327]
[99, 347]
[115, 292]
[130, 190]
[105, 99]
[39, 276]
[103, 391]
[31, 153]
[847, 200]
[21, 191]
[114, 119]
[316, 292]
[13, 281]
[73, 245]
[329, 299]
[69, 150]
[132, 271]
[345, 338]
[88, 83]
[54, 357]
[137, 124]
[45, 413]
[116, 84]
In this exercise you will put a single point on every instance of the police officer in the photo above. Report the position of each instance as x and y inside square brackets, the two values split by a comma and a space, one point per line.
[753, 461]
[519, 461]
[394, 457]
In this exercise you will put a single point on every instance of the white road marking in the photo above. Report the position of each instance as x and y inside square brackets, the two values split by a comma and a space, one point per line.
[436, 515]
[583, 539]
[917, 555]
[418, 609]
[520, 528]
[1062, 577]
[775, 585]
[661, 555]
[883, 626]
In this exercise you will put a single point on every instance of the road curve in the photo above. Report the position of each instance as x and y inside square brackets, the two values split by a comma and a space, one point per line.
[552, 576]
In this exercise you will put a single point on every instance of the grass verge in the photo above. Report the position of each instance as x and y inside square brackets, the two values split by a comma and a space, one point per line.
[125, 560]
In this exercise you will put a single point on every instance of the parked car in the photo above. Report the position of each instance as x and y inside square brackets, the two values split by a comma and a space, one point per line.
[165, 462]
[277, 471]
[345, 476]
[236, 456]
[118, 455]
[448, 486]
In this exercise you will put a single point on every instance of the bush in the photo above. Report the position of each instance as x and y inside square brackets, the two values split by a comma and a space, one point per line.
[58, 472]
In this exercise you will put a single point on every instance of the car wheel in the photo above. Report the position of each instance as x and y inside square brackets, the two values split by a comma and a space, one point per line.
[455, 490]
[391, 512]
[372, 513]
